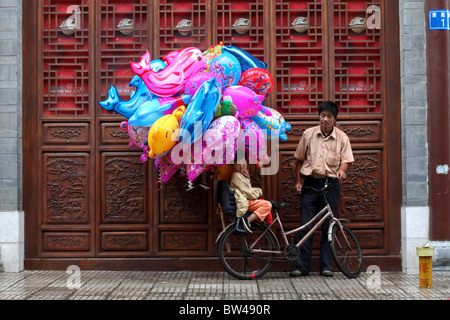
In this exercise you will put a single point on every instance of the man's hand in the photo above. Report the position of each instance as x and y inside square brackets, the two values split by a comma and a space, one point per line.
[298, 187]
[341, 175]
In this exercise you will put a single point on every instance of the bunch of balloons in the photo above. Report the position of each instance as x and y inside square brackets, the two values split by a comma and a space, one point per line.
[197, 109]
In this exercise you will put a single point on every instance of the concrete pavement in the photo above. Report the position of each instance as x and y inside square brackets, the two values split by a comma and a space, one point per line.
[186, 285]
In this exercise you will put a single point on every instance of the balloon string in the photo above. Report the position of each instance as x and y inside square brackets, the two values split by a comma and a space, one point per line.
[160, 181]
[204, 181]
[190, 185]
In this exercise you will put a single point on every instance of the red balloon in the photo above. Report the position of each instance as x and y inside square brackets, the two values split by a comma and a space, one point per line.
[257, 79]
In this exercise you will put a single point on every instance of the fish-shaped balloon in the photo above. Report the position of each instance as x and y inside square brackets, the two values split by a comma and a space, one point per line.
[246, 60]
[200, 111]
[154, 109]
[273, 123]
[171, 80]
[127, 108]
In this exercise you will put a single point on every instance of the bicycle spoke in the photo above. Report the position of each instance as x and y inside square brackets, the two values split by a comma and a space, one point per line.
[346, 251]
[239, 260]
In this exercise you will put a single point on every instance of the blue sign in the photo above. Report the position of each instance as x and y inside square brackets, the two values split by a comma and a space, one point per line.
[439, 19]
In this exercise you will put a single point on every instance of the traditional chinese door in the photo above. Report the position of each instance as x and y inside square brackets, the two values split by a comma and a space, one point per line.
[89, 199]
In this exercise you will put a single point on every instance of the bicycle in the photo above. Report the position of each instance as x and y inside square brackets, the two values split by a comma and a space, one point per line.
[250, 255]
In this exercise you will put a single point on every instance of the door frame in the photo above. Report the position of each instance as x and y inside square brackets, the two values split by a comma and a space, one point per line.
[392, 159]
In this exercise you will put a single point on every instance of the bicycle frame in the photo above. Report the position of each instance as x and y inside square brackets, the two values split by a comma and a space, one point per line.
[326, 210]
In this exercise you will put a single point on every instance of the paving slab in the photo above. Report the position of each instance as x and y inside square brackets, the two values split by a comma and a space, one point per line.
[186, 285]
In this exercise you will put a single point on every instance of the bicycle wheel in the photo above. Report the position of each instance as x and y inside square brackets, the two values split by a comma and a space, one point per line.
[346, 251]
[236, 258]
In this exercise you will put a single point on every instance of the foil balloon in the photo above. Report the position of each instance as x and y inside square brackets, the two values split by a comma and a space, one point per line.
[200, 111]
[218, 146]
[219, 140]
[167, 168]
[157, 65]
[226, 68]
[195, 166]
[127, 108]
[194, 83]
[273, 122]
[138, 135]
[163, 134]
[170, 80]
[154, 109]
[225, 108]
[194, 170]
[257, 79]
[251, 139]
[246, 60]
[246, 101]
[212, 52]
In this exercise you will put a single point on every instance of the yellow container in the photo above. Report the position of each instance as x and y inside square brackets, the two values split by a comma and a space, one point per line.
[425, 255]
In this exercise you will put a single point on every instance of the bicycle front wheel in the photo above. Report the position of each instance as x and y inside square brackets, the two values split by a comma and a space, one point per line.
[346, 251]
[236, 257]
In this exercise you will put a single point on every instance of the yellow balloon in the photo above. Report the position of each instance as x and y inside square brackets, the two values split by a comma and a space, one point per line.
[163, 134]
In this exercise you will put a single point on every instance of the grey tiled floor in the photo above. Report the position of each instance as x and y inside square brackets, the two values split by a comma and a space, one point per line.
[184, 285]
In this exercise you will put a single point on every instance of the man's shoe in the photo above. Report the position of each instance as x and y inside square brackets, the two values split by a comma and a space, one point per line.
[326, 273]
[297, 273]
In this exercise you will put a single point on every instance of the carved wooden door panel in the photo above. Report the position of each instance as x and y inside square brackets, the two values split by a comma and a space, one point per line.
[341, 57]
[88, 194]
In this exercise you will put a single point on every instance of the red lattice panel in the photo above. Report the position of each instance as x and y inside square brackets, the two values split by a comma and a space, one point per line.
[182, 24]
[357, 59]
[118, 46]
[231, 14]
[299, 57]
[65, 58]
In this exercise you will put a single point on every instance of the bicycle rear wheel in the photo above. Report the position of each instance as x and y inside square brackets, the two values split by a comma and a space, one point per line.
[236, 258]
[346, 251]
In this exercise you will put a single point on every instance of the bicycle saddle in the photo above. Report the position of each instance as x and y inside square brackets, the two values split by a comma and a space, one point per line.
[279, 205]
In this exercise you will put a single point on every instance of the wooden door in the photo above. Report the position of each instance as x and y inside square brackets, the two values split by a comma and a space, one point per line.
[88, 197]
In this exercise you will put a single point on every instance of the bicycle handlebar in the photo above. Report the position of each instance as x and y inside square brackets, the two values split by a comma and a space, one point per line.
[325, 188]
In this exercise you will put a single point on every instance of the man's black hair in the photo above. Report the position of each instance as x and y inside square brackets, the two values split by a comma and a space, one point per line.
[329, 106]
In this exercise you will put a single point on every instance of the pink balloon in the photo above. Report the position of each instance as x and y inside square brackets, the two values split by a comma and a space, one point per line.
[196, 167]
[169, 81]
[221, 130]
[167, 168]
[137, 134]
[247, 102]
[252, 140]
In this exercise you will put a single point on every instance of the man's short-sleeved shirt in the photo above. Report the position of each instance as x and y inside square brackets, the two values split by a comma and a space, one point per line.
[323, 156]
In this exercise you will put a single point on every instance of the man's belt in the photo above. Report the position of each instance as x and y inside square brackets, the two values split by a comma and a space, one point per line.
[321, 176]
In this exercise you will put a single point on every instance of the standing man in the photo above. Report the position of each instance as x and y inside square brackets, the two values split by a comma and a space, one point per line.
[323, 154]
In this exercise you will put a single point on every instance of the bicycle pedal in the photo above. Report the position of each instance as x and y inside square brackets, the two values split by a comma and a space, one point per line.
[291, 252]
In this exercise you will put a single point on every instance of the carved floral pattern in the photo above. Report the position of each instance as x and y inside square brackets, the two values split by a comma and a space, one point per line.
[124, 185]
[67, 133]
[66, 189]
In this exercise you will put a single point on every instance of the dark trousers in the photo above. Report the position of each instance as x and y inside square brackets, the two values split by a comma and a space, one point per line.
[311, 204]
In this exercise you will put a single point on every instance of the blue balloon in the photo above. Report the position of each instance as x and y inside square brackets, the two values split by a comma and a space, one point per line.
[226, 68]
[154, 109]
[200, 112]
[127, 108]
[246, 60]
[273, 122]
[137, 98]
